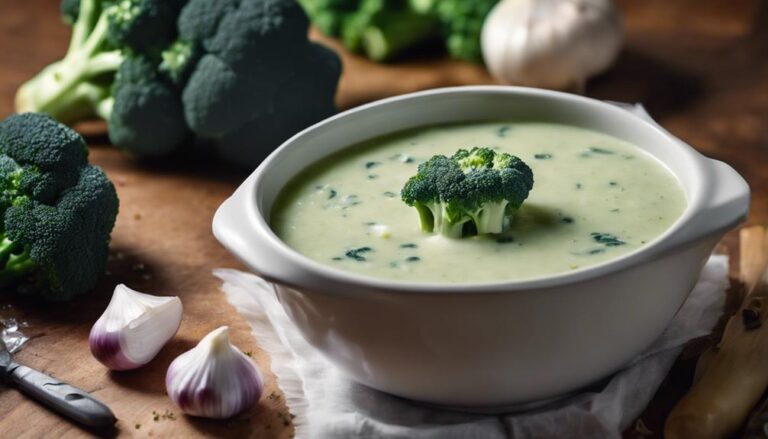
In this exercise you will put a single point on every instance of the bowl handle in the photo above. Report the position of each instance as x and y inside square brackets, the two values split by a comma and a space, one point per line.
[727, 197]
[232, 227]
[726, 205]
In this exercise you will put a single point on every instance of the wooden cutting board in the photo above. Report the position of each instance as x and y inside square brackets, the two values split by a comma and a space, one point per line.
[691, 61]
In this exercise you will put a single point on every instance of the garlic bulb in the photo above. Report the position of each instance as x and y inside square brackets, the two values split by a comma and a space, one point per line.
[133, 328]
[551, 43]
[214, 379]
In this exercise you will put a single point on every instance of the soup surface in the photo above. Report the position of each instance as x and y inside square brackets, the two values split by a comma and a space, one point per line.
[595, 198]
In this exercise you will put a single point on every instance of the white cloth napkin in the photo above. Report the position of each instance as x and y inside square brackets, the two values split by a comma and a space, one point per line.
[328, 405]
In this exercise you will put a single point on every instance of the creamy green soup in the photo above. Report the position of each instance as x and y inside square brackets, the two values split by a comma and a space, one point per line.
[595, 198]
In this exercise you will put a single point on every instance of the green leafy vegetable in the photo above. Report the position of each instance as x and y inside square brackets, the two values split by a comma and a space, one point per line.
[357, 254]
[607, 239]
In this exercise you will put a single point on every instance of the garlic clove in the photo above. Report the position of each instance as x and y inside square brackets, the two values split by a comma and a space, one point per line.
[551, 43]
[133, 328]
[214, 379]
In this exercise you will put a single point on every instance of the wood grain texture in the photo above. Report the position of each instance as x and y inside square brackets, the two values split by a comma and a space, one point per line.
[700, 66]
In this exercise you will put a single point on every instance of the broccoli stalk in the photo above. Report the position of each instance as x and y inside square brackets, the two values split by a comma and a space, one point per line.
[473, 191]
[70, 89]
[490, 218]
[443, 217]
[429, 215]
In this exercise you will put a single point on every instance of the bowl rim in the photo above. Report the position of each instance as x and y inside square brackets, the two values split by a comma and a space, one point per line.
[318, 277]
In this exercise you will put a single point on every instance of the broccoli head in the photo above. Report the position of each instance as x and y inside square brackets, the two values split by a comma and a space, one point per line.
[475, 190]
[244, 95]
[162, 72]
[103, 33]
[57, 211]
[254, 140]
[144, 102]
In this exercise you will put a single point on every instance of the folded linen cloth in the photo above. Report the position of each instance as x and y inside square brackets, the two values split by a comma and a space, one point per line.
[326, 404]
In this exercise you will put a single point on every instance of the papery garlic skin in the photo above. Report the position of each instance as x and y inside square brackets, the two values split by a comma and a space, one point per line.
[133, 328]
[551, 43]
[214, 379]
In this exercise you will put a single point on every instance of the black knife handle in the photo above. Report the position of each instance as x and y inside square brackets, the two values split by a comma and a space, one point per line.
[61, 397]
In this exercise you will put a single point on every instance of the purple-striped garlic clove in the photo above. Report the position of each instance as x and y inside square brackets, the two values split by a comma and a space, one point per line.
[133, 328]
[214, 379]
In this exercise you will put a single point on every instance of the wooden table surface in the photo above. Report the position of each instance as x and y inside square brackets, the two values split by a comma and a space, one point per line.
[700, 67]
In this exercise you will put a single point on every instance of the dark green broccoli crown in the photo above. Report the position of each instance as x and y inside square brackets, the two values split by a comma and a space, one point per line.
[38, 139]
[224, 72]
[57, 210]
[517, 181]
[146, 117]
[69, 240]
[137, 69]
[515, 177]
[142, 25]
[49, 153]
[431, 191]
[438, 179]
[24, 181]
[199, 20]
[253, 74]
[244, 33]
[218, 99]
[493, 177]
[307, 96]
[482, 186]
[477, 185]
[243, 47]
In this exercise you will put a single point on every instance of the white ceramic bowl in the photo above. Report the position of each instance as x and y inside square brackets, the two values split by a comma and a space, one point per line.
[492, 344]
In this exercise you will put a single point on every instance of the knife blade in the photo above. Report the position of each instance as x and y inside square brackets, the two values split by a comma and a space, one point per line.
[59, 396]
